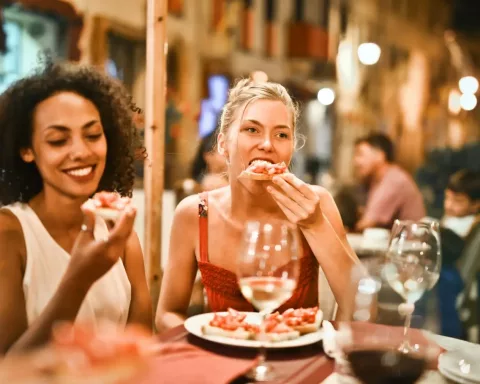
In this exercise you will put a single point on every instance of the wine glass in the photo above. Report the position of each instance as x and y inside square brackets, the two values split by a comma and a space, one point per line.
[367, 347]
[414, 262]
[267, 271]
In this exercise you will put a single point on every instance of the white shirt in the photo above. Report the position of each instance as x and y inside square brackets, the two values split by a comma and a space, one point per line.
[108, 298]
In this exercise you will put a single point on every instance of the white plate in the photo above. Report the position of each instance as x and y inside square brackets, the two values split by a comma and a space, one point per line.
[194, 326]
[451, 344]
[460, 365]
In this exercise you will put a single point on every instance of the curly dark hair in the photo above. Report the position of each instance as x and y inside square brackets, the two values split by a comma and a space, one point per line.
[21, 181]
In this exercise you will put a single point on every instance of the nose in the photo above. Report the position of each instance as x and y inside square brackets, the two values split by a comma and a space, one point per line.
[266, 144]
[80, 150]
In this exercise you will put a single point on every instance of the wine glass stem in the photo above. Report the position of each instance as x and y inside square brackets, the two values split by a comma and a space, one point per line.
[405, 347]
[262, 351]
[262, 355]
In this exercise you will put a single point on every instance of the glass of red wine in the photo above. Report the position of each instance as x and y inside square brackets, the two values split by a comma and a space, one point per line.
[267, 272]
[368, 345]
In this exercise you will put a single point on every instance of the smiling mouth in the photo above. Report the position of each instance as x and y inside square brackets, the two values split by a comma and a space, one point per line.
[80, 172]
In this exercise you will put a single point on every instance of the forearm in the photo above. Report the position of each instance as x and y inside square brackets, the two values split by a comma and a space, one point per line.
[63, 306]
[168, 320]
[141, 311]
[335, 257]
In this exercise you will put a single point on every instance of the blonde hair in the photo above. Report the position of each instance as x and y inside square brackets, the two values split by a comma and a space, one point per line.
[247, 91]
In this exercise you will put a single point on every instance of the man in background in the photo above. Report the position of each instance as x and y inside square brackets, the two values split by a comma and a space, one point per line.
[391, 192]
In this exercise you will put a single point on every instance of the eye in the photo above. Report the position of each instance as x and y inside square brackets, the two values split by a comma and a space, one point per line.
[57, 143]
[251, 129]
[283, 135]
[94, 137]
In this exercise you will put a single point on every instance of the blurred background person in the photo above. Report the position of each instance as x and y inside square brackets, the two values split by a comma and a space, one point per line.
[348, 208]
[209, 168]
[460, 263]
[462, 202]
[391, 192]
[459, 286]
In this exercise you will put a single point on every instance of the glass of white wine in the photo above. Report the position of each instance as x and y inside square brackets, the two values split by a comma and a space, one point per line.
[413, 265]
[267, 271]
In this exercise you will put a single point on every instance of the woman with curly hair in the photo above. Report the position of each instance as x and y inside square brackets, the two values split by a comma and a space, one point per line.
[66, 132]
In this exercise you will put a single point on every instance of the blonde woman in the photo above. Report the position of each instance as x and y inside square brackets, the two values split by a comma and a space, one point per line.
[257, 122]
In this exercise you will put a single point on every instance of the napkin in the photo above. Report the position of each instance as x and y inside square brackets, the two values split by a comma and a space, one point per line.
[181, 363]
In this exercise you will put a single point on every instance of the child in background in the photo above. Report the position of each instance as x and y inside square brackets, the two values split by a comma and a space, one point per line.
[461, 204]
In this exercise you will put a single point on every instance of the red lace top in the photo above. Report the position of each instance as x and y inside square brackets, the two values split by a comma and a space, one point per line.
[221, 285]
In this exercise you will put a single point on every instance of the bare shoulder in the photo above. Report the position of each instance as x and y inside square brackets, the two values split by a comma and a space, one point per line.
[9, 224]
[187, 209]
[11, 233]
[219, 195]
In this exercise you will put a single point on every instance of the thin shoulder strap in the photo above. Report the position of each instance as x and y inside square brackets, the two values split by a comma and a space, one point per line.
[203, 226]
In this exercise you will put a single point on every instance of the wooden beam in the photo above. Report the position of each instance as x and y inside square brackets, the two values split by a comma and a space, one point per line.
[155, 93]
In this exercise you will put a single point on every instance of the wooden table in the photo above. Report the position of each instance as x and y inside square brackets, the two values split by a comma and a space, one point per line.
[306, 365]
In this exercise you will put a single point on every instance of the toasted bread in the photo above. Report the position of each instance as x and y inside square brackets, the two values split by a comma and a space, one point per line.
[256, 176]
[108, 214]
[310, 327]
[275, 337]
[239, 333]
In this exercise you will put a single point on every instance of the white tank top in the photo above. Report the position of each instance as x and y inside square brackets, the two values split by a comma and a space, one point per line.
[108, 298]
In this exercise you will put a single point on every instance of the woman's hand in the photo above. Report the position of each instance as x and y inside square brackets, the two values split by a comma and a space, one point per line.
[91, 258]
[298, 200]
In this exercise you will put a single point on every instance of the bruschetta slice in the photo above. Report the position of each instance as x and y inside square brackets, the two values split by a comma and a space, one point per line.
[263, 170]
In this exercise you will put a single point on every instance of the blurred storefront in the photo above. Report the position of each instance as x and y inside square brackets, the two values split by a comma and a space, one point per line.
[30, 27]
[308, 45]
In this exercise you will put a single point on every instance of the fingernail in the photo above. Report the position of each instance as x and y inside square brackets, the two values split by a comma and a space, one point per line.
[269, 189]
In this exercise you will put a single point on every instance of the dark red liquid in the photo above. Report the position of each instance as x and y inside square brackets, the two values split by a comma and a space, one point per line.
[386, 367]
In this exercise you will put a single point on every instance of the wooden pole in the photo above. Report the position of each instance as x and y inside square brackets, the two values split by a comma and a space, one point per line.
[155, 94]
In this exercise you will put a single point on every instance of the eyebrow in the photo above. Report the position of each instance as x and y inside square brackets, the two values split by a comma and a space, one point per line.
[63, 128]
[261, 125]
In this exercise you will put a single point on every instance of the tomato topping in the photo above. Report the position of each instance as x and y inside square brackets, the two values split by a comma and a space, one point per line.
[264, 167]
[110, 200]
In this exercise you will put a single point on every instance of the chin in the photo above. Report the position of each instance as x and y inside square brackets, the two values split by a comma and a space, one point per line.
[256, 187]
[81, 193]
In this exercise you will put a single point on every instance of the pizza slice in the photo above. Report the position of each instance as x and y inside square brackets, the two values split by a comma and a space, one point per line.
[277, 330]
[263, 170]
[108, 205]
[303, 320]
[232, 325]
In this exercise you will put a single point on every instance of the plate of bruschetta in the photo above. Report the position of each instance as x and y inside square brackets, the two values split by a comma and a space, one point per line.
[292, 328]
